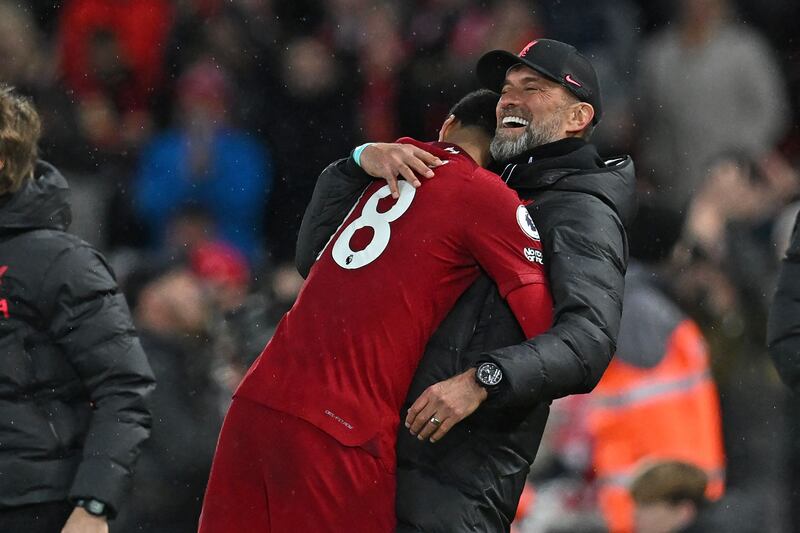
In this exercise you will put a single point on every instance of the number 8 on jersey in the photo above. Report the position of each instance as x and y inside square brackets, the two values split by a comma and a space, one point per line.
[344, 256]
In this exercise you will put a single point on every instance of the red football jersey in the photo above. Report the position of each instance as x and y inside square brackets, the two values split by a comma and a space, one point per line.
[343, 357]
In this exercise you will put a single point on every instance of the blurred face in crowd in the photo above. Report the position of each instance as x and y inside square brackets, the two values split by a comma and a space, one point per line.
[17, 44]
[532, 111]
[203, 97]
[308, 68]
[663, 517]
[702, 11]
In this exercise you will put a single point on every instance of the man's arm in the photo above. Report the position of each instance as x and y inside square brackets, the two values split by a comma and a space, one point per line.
[340, 185]
[586, 250]
[783, 327]
[454, 399]
[89, 320]
[509, 250]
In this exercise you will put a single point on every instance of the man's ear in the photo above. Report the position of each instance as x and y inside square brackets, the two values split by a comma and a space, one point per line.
[445, 130]
[580, 116]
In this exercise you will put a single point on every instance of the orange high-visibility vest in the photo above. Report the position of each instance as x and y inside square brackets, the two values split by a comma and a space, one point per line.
[669, 411]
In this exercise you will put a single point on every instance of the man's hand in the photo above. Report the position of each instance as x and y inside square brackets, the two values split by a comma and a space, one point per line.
[391, 160]
[448, 402]
[81, 521]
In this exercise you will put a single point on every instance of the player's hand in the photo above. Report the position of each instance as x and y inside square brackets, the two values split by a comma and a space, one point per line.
[80, 521]
[392, 160]
[449, 402]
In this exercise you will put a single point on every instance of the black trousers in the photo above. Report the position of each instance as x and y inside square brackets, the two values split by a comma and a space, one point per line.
[48, 517]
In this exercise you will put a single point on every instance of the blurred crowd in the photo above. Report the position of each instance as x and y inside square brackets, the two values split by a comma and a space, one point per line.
[192, 133]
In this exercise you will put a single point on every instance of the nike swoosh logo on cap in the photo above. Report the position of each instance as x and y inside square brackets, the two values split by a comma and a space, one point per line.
[569, 79]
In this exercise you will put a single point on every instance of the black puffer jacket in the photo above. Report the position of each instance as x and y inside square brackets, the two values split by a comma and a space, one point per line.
[783, 327]
[73, 377]
[472, 479]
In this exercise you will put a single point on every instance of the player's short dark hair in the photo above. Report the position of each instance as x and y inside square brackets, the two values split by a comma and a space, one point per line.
[478, 109]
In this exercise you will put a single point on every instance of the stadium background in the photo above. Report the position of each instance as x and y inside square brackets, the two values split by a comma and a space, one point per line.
[269, 92]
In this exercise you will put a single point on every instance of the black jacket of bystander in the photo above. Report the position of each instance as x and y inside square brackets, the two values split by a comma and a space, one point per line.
[73, 376]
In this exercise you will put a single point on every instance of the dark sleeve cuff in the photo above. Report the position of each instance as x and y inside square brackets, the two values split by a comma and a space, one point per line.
[523, 377]
[355, 171]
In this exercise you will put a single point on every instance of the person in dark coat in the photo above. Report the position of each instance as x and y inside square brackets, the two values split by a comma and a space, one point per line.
[783, 327]
[73, 376]
[471, 480]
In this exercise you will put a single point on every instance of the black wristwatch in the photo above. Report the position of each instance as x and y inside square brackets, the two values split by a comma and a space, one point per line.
[489, 375]
[93, 507]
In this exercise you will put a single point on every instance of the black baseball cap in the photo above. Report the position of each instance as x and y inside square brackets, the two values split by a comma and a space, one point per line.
[558, 61]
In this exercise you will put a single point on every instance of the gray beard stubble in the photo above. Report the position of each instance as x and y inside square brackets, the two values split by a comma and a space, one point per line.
[504, 148]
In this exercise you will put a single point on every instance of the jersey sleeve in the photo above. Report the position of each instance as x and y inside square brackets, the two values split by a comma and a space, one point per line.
[501, 236]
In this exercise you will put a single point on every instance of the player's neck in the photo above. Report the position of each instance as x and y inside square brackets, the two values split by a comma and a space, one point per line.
[477, 149]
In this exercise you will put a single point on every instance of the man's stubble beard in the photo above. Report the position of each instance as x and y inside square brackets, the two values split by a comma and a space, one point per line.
[504, 148]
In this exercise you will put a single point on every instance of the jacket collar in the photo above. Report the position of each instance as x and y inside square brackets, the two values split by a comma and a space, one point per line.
[42, 202]
[573, 165]
[533, 169]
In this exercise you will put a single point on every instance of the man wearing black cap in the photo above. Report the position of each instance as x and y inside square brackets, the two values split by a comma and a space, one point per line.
[471, 479]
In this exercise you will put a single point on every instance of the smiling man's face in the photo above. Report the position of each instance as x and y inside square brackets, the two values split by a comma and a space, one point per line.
[530, 113]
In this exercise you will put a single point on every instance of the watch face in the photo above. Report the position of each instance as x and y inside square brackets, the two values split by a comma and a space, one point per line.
[489, 374]
[95, 507]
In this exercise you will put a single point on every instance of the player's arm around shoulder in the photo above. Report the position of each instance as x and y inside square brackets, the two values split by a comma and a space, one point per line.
[336, 191]
[341, 183]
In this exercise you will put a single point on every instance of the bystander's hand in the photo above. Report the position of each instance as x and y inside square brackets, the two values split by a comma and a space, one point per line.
[443, 405]
[392, 160]
[81, 521]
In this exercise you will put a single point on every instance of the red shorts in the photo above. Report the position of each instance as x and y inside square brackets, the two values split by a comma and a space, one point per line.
[275, 473]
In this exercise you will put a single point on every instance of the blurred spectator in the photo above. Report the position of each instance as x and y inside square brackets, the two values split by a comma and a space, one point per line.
[345, 23]
[23, 63]
[225, 271]
[608, 31]
[726, 246]
[242, 38]
[515, 24]
[27, 66]
[205, 161]
[669, 496]
[382, 55]
[173, 314]
[708, 86]
[660, 379]
[249, 326]
[723, 272]
[111, 55]
[312, 124]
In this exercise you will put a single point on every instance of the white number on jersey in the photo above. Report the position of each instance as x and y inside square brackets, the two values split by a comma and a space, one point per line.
[344, 256]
